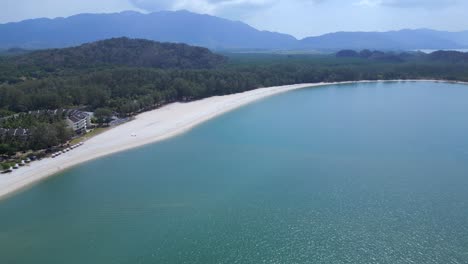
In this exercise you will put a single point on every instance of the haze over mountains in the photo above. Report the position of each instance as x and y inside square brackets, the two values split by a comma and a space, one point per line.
[208, 31]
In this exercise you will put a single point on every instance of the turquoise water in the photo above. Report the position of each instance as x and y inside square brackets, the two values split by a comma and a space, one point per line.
[360, 173]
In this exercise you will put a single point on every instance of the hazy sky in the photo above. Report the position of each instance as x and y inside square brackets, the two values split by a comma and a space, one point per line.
[297, 17]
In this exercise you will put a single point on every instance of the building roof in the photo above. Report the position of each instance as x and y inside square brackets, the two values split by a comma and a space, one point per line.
[14, 132]
[77, 116]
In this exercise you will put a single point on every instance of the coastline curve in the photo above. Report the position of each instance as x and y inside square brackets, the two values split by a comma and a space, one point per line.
[151, 127]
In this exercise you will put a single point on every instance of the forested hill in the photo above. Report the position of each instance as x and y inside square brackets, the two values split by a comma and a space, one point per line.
[130, 75]
[449, 56]
[122, 52]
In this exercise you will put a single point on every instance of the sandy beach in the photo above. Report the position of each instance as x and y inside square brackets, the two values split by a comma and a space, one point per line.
[148, 127]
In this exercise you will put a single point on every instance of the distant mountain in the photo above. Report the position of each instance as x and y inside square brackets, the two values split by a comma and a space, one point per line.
[180, 26]
[392, 40]
[208, 31]
[123, 52]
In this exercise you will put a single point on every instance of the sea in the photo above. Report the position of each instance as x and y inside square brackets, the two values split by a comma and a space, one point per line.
[352, 173]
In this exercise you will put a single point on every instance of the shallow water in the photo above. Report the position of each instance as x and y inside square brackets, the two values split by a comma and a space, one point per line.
[356, 173]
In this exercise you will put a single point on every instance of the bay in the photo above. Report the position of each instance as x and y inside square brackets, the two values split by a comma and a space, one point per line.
[355, 173]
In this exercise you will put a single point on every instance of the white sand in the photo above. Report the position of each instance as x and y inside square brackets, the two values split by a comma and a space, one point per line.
[147, 128]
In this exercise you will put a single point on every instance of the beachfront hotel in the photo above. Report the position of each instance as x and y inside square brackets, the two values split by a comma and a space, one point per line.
[79, 121]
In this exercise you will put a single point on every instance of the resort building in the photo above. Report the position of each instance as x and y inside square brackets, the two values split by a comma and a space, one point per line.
[55, 112]
[78, 121]
[20, 133]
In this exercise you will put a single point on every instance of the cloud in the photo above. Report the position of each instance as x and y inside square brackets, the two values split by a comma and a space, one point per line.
[205, 6]
[152, 5]
[216, 7]
[408, 3]
[16, 10]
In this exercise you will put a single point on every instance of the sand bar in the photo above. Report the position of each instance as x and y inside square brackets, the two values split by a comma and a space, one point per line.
[148, 127]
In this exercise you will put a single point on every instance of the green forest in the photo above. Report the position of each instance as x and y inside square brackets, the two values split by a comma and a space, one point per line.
[44, 131]
[128, 76]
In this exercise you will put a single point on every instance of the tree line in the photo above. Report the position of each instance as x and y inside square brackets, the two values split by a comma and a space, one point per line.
[43, 132]
[129, 90]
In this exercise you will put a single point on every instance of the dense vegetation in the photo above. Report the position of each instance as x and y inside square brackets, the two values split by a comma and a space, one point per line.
[449, 56]
[453, 57]
[132, 89]
[119, 52]
[44, 131]
[128, 76]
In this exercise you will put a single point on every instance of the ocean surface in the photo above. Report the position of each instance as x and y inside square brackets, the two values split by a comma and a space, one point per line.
[356, 173]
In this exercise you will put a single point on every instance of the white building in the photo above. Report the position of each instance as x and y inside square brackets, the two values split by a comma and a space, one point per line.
[79, 121]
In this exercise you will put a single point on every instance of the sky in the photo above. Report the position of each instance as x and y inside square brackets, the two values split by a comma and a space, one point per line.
[299, 18]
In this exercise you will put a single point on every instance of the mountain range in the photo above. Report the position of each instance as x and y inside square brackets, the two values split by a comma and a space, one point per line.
[208, 31]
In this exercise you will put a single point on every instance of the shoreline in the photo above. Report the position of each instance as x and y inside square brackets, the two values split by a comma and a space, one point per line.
[147, 128]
